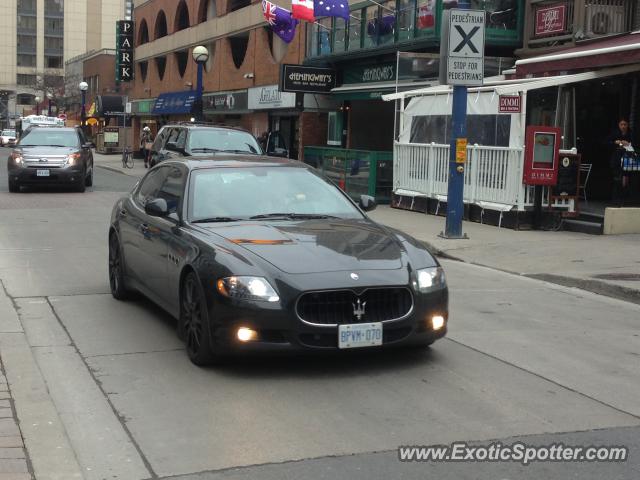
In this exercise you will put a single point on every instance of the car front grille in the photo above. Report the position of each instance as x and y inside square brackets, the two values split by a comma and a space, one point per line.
[341, 307]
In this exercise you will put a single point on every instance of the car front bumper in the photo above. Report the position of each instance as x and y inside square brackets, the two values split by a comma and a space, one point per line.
[282, 330]
[60, 175]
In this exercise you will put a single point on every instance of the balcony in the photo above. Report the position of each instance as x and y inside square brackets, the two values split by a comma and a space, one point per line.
[552, 24]
[393, 24]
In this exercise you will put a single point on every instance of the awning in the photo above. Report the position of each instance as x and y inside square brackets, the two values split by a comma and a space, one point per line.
[608, 52]
[109, 104]
[174, 103]
[516, 86]
[372, 90]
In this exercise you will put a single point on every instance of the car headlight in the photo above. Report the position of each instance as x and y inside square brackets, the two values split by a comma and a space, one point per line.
[247, 288]
[430, 279]
[17, 158]
[73, 159]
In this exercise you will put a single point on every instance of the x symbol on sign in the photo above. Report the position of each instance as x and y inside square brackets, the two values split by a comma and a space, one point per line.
[466, 38]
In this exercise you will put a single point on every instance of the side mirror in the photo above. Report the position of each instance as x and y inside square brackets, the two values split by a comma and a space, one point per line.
[157, 207]
[89, 145]
[173, 147]
[367, 203]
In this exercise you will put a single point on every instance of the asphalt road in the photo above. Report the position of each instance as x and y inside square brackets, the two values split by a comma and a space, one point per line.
[103, 389]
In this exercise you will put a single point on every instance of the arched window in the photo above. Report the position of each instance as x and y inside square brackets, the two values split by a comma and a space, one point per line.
[161, 65]
[237, 5]
[161, 26]
[212, 51]
[239, 45]
[182, 17]
[182, 58]
[144, 68]
[143, 33]
[207, 10]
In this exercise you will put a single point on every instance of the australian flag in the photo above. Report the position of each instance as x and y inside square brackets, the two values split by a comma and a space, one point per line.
[281, 21]
[331, 8]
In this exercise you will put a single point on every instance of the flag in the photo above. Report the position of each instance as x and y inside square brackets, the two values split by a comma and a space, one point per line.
[332, 8]
[282, 22]
[303, 9]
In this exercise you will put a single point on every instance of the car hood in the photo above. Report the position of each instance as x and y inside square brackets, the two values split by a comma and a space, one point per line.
[45, 150]
[315, 246]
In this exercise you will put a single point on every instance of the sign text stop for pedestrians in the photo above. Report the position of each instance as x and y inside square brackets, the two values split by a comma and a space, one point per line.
[465, 62]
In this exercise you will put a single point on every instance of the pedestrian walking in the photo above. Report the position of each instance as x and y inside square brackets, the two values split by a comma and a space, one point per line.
[146, 142]
[621, 143]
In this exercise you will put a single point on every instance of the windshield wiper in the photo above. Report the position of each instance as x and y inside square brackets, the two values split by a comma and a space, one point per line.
[239, 151]
[291, 216]
[205, 149]
[215, 219]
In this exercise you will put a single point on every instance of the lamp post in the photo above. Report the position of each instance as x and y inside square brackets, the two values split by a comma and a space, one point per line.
[49, 97]
[200, 56]
[38, 100]
[84, 86]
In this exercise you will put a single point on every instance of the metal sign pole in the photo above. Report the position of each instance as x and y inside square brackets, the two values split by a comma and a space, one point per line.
[455, 203]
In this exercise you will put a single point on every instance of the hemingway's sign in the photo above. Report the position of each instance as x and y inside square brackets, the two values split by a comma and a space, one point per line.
[124, 51]
[550, 20]
[298, 78]
[510, 104]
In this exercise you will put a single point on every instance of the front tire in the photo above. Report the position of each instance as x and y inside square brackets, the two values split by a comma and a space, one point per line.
[89, 180]
[193, 324]
[116, 270]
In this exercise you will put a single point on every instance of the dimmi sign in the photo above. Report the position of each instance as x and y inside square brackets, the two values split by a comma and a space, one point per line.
[551, 20]
[509, 104]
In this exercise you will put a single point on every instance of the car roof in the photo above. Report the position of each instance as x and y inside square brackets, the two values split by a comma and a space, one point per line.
[204, 126]
[237, 161]
[54, 127]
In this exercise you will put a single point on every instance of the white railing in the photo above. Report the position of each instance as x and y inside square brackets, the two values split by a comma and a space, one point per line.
[492, 174]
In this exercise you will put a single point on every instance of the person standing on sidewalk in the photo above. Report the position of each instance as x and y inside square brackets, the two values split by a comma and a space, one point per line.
[621, 142]
[146, 141]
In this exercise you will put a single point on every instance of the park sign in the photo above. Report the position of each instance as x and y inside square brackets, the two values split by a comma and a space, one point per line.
[124, 51]
[465, 52]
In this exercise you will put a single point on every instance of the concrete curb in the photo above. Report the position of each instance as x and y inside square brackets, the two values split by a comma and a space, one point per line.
[117, 170]
[599, 287]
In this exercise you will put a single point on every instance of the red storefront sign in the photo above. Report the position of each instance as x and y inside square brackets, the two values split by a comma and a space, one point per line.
[509, 104]
[550, 20]
[542, 146]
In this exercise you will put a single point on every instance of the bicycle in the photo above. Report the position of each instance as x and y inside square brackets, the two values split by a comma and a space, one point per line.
[127, 158]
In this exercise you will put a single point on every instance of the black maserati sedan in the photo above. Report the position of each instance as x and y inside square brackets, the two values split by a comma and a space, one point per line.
[258, 254]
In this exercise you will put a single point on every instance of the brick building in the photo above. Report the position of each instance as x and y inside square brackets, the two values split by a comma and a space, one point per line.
[241, 76]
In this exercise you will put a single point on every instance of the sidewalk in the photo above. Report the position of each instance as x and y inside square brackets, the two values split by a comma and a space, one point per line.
[605, 264]
[113, 162]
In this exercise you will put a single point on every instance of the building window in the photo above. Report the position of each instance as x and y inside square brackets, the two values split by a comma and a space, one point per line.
[26, 60]
[340, 35]
[237, 5]
[324, 35]
[334, 129]
[27, 24]
[161, 26]
[26, 44]
[207, 10]
[54, 8]
[144, 68]
[371, 18]
[53, 62]
[54, 26]
[355, 30]
[182, 17]
[143, 33]
[27, 6]
[426, 21]
[161, 65]
[27, 80]
[26, 99]
[406, 16]
[182, 59]
[239, 45]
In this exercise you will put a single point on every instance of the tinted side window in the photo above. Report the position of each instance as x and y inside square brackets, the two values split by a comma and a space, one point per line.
[181, 140]
[160, 139]
[173, 188]
[173, 136]
[150, 186]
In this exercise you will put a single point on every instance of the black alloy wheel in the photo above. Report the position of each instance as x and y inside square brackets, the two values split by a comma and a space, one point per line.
[116, 270]
[193, 324]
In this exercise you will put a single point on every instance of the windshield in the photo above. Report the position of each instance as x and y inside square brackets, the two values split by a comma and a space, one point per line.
[242, 193]
[8, 133]
[212, 140]
[58, 138]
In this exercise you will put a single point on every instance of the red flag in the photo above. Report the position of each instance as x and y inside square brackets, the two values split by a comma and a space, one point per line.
[303, 9]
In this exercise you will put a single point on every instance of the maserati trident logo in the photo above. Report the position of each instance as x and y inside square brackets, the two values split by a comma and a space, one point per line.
[354, 276]
[358, 309]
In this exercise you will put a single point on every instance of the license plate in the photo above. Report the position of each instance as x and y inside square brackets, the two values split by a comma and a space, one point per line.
[42, 173]
[360, 335]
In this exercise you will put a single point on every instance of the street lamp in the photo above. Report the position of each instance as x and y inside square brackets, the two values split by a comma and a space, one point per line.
[38, 100]
[49, 96]
[200, 56]
[84, 86]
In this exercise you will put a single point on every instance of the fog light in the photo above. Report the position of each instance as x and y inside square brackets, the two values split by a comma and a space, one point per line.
[246, 334]
[437, 322]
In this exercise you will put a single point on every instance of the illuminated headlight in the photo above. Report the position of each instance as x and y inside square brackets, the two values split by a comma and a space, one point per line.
[17, 158]
[73, 159]
[430, 279]
[247, 288]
